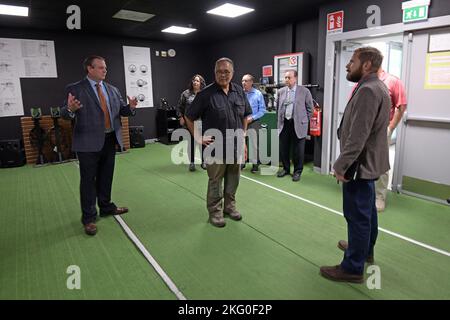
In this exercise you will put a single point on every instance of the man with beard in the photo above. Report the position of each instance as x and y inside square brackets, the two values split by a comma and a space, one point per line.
[364, 158]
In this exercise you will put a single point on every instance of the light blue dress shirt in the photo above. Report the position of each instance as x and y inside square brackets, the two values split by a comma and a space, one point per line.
[256, 100]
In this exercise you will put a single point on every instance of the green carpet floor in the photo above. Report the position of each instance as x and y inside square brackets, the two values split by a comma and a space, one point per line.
[41, 236]
[273, 253]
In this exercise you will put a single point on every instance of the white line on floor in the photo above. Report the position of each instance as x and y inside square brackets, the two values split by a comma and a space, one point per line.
[426, 246]
[148, 256]
[150, 259]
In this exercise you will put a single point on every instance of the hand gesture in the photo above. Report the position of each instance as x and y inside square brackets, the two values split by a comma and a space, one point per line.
[133, 102]
[72, 103]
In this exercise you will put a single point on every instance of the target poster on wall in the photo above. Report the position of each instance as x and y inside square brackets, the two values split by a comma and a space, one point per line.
[138, 75]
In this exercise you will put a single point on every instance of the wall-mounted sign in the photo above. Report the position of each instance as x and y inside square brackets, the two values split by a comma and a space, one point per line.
[437, 74]
[416, 10]
[267, 71]
[439, 42]
[335, 22]
[138, 75]
[285, 62]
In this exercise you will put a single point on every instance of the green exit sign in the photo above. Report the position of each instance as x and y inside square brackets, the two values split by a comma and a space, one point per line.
[415, 13]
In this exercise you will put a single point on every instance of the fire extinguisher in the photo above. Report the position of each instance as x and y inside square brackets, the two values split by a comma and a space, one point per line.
[315, 123]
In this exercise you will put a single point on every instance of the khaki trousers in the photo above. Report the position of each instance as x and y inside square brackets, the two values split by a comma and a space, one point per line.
[218, 173]
[381, 185]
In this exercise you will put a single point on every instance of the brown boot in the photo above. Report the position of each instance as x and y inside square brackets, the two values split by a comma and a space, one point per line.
[234, 215]
[343, 245]
[336, 273]
[217, 220]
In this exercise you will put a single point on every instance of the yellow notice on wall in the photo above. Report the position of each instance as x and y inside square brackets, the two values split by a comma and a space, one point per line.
[437, 73]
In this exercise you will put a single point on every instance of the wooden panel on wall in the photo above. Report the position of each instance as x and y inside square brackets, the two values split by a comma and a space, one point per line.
[125, 133]
[46, 123]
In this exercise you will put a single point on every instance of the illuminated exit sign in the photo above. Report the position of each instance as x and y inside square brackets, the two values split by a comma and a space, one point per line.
[416, 10]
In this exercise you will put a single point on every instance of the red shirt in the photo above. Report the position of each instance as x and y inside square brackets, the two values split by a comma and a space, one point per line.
[396, 91]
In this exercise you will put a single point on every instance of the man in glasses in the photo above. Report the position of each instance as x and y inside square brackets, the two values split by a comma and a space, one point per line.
[223, 108]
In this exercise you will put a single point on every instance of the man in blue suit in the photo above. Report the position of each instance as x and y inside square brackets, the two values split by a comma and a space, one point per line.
[96, 108]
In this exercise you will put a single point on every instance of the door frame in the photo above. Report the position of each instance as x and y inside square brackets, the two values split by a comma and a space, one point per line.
[330, 76]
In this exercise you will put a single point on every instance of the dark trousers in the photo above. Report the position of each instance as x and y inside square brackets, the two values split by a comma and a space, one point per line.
[362, 223]
[96, 176]
[192, 145]
[288, 139]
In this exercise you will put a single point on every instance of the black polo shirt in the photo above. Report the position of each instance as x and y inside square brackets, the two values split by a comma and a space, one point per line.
[218, 110]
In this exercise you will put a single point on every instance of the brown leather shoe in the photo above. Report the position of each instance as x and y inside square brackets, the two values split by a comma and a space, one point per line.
[119, 210]
[343, 245]
[90, 229]
[336, 273]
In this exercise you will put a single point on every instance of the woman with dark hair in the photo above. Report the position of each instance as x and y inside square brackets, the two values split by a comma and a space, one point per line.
[197, 84]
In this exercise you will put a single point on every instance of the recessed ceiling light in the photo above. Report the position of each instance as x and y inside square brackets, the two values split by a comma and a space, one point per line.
[230, 10]
[133, 15]
[14, 10]
[178, 30]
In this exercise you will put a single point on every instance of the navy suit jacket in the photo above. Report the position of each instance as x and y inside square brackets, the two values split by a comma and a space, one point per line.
[89, 128]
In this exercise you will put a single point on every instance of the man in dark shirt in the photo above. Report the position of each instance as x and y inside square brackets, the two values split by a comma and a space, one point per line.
[223, 107]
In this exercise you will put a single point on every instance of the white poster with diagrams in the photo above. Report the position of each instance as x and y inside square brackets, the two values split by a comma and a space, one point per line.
[22, 58]
[10, 91]
[138, 75]
[38, 59]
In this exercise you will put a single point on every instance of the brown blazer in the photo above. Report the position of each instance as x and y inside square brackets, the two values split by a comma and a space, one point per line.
[362, 132]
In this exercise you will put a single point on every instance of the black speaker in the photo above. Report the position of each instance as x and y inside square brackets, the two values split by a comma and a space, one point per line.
[137, 137]
[12, 153]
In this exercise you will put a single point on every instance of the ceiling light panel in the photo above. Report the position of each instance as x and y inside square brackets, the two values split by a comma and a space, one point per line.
[178, 30]
[230, 10]
[13, 10]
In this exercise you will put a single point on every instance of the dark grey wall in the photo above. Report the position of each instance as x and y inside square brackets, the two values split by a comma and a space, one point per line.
[170, 75]
[250, 52]
[306, 41]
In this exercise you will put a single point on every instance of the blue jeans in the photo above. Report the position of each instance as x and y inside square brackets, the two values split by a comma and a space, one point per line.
[362, 223]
